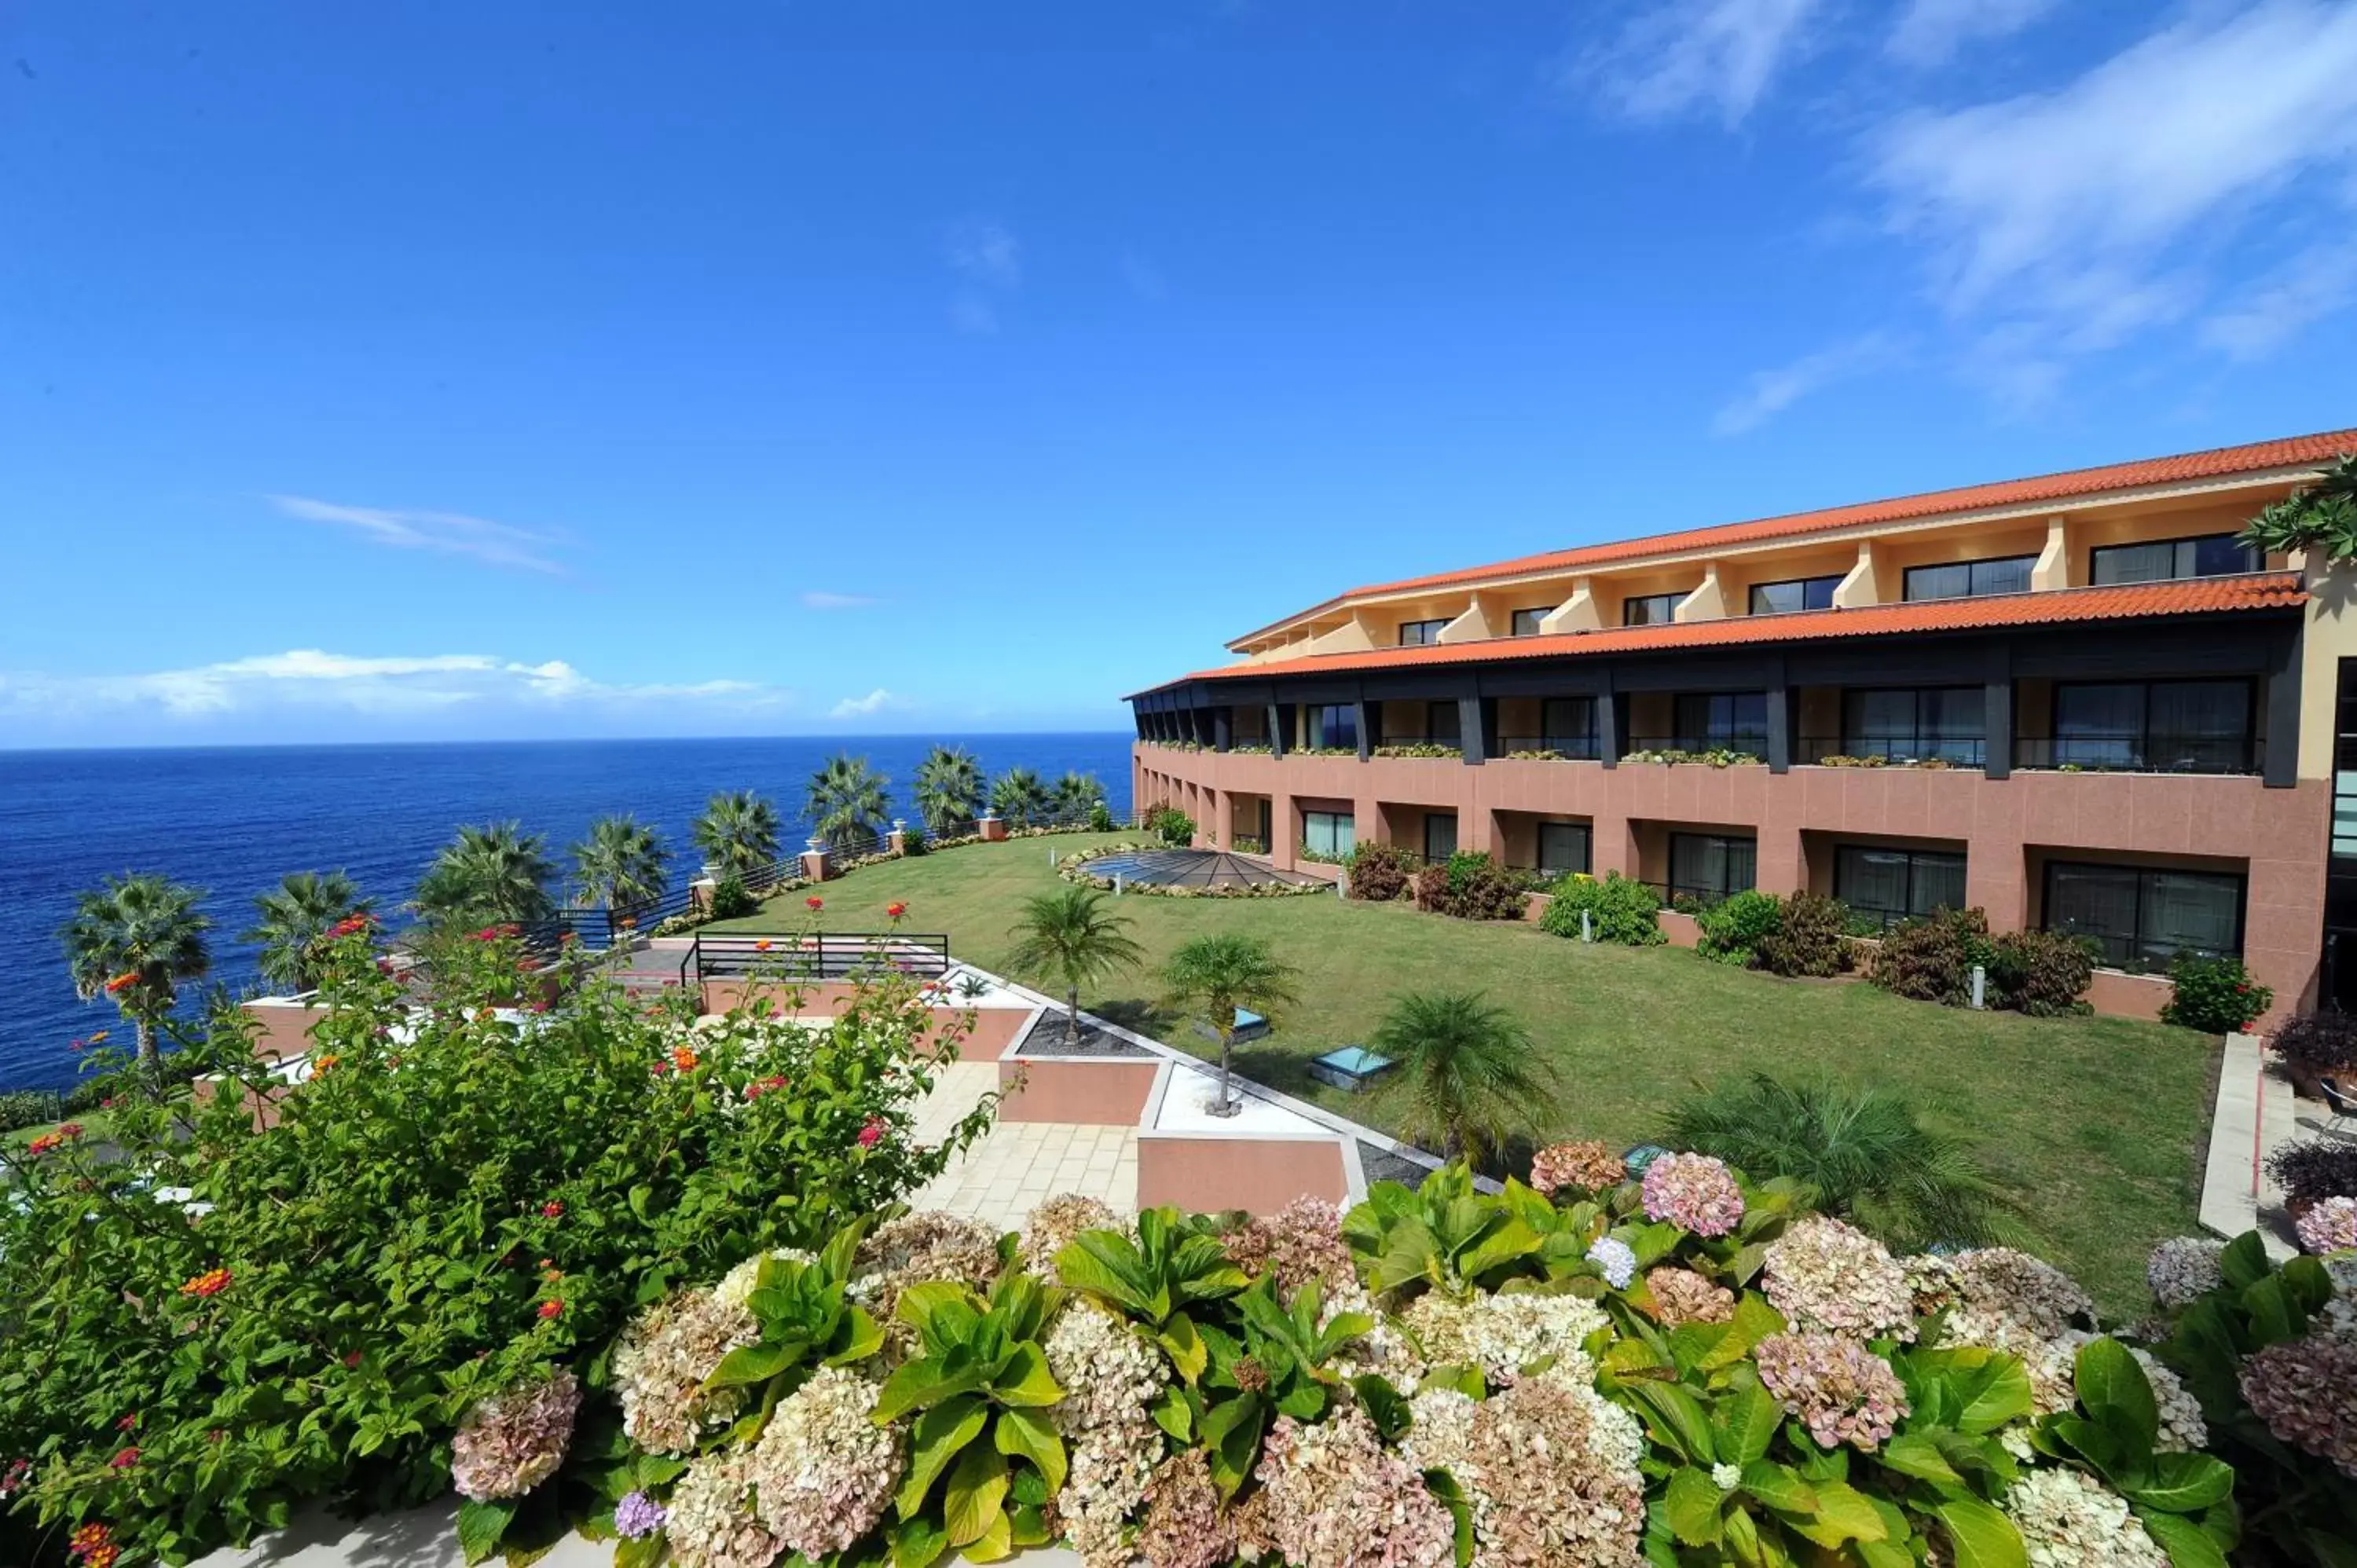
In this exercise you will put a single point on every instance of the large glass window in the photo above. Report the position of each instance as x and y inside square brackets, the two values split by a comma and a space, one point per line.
[1711, 867]
[2158, 727]
[1441, 723]
[1564, 848]
[1439, 835]
[2144, 917]
[1334, 725]
[2208, 555]
[1913, 725]
[1329, 833]
[1653, 609]
[1526, 622]
[1970, 579]
[1891, 885]
[1417, 633]
[1721, 721]
[1799, 594]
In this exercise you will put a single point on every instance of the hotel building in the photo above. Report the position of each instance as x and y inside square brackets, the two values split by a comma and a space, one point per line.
[2072, 702]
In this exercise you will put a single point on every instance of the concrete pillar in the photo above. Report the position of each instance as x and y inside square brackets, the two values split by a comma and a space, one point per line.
[1780, 867]
[1612, 846]
[1284, 832]
[2053, 567]
[1860, 586]
[814, 861]
[1224, 819]
[992, 829]
[896, 841]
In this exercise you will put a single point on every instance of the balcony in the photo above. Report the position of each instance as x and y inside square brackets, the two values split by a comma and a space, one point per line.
[2139, 752]
[1551, 747]
[1895, 750]
[1741, 742]
[1397, 743]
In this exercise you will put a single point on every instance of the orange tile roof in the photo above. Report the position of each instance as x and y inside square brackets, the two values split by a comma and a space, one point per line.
[2201, 596]
[2218, 462]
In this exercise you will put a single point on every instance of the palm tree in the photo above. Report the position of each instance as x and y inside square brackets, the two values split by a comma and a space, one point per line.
[1071, 936]
[1217, 974]
[293, 917]
[1074, 795]
[949, 788]
[1016, 796]
[2320, 516]
[1862, 1149]
[134, 940]
[494, 874]
[1468, 1076]
[622, 863]
[738, 833]
[848, 799]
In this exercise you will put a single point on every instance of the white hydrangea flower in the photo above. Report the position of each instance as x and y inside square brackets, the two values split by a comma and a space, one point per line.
[2069, 1520]
[823, 1470]
[1385, 1350]
[1502, 1335]
[2183, 1269]
[1726, 1477]
[1109, 1374]
[1826, 1277]
[736, 1287]
[1617, 1259]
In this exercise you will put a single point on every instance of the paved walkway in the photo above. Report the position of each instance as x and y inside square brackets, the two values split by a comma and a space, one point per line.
[2257, 1113]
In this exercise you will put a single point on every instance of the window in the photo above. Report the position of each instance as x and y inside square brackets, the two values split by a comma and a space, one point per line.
[2145, 918]
[1800, 593]
[1654, 610]
[2158, 726]
[1909, 725]
[1440, 723]
[1334, 725]
[2208, 555]
[1439, 835]
[1329, 833]
[1526, 622]
[1893, 884]
[1711, 867]
[1721, 721]
[1563, 848]
[1417, 633]
[1970, 579]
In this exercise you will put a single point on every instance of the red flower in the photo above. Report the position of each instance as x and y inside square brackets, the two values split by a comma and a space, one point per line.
[815, 902]
[124, 1459]
[761, 1086]
[12, 1480]
[895, 910]
[872, 1133]
[349, 925]
[91, 1539]
[211, 1283]
[352, 1360]
[77, 1045]
[549, 1309]
[659, 1069]
[550, 1210]
[71, 1130]
[102, 1556]
[127, 1423]
[107, 1103]
[42, 1145]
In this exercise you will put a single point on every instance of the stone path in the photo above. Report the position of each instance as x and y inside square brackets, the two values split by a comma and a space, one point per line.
[2256, 1112]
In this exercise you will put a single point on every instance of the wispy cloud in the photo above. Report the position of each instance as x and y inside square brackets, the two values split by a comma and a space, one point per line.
[973, 315]
[1771, 391]
[441, 532]
[1929, 32]
[2313, 285]
[987, 252]
[821, 599]
[1687, 57]
[868, 707]
[1144, 278]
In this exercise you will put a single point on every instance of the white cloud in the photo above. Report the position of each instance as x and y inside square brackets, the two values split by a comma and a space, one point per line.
[821, 599]
[987, 252]
[973, 315]
[442, 532]
[866, 707]
[1929, 31]
[2090, 213]
[1695, 56]
[2278, 305]
[1771, 391]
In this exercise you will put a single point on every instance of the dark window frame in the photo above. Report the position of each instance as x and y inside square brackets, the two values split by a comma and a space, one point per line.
[1429, 819]
[1586, 832]
[1427, 631]
[2241, 880]
[2143, 738]
[1752, 598]
[1961, 859]
[1678, 889]
[2258, 561]
[1960, 750]
[1628, 608]
[1515, 621]
[1907, 579]
[1313, 728]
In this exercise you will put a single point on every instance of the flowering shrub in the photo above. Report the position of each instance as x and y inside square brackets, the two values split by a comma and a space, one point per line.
[1694, 1193]
[2215, 995]
[1583, 1166]
[2329, 1227]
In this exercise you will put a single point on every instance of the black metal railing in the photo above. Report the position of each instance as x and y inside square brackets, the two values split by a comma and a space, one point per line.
[813, 955]
[1741, 742]
[2139, 752]
[1957, 751]
[1452, 742]
[1571, 747]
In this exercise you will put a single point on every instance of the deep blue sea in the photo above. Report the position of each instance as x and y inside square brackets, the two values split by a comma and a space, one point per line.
[235, 819]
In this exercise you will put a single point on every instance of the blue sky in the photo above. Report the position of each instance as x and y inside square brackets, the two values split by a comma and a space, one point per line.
[444, 369]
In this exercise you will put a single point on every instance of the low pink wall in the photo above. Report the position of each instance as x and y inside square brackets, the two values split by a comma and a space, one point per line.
[1684, 930]
[1259, 1175]
[991, 1033]
[2128, 995]
[286, 1031]
[1086, 1093]
[1534, 907]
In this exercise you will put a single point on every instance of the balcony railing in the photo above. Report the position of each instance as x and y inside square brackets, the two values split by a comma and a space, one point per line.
[2138, 753]
[1742, 742]
[1419, 745]
[1570, 747]
[1956, 751]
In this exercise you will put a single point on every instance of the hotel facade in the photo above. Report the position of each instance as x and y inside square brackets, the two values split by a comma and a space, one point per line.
[2071, 701]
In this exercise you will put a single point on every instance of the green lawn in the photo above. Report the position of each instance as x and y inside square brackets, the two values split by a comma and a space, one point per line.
[2096, 1124]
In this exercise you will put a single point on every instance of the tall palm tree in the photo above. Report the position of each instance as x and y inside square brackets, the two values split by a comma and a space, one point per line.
[738, 833]
[293, 917]
[1862, 1149]
[949, 788]
[1018, 798]
[133, 941]
[489, 875]
[1071, 936]
[622, 863]
[1074, 795]
[848, 799]
[1215, 975]
[1468, 1076]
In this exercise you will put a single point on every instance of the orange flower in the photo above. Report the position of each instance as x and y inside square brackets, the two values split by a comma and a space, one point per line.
[42, 1145]
[895, 911]
[684, 1057]
[128, 977]
[549, 1309]
[761, 946]
[89, 1538]
[102, 1557]
[323, 1063]
[99, 1039]
[815, 902]
[211, 1283]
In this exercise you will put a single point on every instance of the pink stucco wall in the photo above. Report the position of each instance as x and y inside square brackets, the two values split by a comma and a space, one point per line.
[990, 1031]
[1090, 1093]
[1257, 1174]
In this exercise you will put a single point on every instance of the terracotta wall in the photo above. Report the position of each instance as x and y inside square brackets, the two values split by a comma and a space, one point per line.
[990, 1032]
[286, 1028]
[1090, 1093]
[1259, 1173]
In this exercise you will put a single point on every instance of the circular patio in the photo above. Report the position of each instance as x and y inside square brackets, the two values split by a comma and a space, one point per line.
[1194, 868]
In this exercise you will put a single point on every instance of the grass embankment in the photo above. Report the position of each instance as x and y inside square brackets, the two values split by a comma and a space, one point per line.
[2094, 1125]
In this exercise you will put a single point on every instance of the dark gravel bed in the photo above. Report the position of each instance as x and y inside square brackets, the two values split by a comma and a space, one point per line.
[1382, 1164]
[1047, 1040]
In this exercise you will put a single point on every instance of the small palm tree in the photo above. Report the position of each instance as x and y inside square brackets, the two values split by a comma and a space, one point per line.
[293, 917]
[2318, 516]
[1071, 936]
[949, 788]
[134, 940]
[1215, 975]
[1018, 796]
[1073, 796]
[620, 865]
[1862, 1149]
[1468, 1076]
[490, 875]
[848, 799]
[738, 833]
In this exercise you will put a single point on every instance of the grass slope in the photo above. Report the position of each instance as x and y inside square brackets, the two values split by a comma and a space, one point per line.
[2095, 1124]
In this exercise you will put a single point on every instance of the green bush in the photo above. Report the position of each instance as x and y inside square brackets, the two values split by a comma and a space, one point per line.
[731, 900]
[1172, 826]
[1621, 910]
[1100, 817]
[1810, 940]
[912, 839]
[1930, 959]
[1378, 873]
[1733, 931]
[2215, 995]
[2040, 973]
[27, 1108]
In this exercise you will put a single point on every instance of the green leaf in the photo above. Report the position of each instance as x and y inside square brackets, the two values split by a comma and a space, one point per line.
[1232, 1431]
[1745, 1425]
[941, 1432]
[2275, 1316]
[1780, 1487]
[1025, 1379]
[1680, 1418]
[996, 1541]
[481, 1525]
[856, 1338]
[1754, 1320]
[2113, 1390]
[1384, 1405]
[916, 1543]
[1690, 1506]
[1443, 1486]
[975, 1497]
[2186, 1542]
[922, 1384]
[2244, 1263]
[2185, 1483]
[1843, 1514]
[1184, 1345]
[944, 1313]
[1171, 1413]
[1917, 1454]
[754, 1364]
[644, 1552]
[1026, 1435]
[1979, 1536]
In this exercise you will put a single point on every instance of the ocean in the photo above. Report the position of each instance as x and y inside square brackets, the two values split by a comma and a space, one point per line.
[233, 820]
